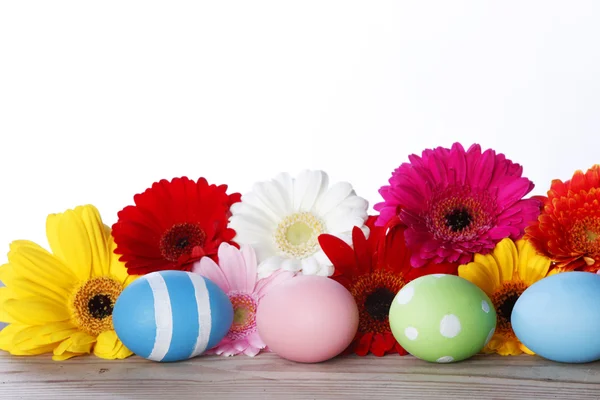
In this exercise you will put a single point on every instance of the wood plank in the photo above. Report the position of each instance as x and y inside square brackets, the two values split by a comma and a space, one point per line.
[269, 377]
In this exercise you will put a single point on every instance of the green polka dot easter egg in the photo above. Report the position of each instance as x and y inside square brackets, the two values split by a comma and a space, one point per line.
[442, 318]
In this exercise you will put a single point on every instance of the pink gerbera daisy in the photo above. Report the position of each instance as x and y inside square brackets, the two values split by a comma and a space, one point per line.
[236, 275]
[457, 203]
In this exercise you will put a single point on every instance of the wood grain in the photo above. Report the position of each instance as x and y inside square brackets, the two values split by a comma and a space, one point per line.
[269, 377]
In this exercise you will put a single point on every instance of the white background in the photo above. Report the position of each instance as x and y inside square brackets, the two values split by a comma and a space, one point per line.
[100, 99]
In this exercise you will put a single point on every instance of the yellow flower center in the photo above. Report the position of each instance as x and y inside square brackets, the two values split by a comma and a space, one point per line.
[504, 300]
[93, 304]
[297, 235]
[584, 237]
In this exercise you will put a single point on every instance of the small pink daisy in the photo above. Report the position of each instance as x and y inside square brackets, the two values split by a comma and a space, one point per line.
[236, 275]
[456, 203]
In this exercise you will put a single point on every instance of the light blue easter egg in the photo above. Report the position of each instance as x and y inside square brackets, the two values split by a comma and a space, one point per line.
[558, 317]
[172, 315]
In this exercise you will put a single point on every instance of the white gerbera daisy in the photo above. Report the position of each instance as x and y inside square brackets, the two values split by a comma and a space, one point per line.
[283, 218]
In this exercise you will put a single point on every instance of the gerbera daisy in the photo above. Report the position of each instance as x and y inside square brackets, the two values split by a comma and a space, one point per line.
[282, 220]
[236, 276]
[457, 203]
[173, 224]
[568, 230]
[374, 272]
[504, 275]
[62, 302]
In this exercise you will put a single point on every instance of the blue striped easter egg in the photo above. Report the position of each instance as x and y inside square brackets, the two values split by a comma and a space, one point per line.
[172, 315]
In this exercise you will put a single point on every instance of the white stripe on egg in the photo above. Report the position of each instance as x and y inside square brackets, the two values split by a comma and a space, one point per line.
[204, 316]
[163, 316]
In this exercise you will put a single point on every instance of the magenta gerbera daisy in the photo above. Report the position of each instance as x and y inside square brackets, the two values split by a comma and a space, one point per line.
[456, 203]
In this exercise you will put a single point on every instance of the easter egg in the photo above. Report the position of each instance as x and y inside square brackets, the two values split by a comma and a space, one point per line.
[442, 318]
[171, 315]
[558, 317]
[307, 319]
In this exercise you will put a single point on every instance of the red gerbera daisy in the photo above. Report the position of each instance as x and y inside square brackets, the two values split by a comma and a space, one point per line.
[173, 224]
[374, 272]
[568, 230]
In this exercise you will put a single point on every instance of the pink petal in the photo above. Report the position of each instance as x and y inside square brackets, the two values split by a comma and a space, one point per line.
[251, 351]
[234, 268]
[265, 284]
[249, 256]
[209, 269]
[254, 340]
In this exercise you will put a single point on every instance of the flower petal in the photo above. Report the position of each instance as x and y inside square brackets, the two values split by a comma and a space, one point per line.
[336, 194]
[35, 311]
[32, 263]
[209, 269]
[532, 266]
[308, 187]
[233, 266]
[109, 347]
[480, 275]
[506, 256]
[79, 342]
[78, 237]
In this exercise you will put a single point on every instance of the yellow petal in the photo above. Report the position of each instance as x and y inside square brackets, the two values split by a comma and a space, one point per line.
[6, 294]
[117, 268]
[7, 335]
[532, 265]
[79, 342]
[6, 274]
[36, 311]
[510, 348]
[525, 350]
[43, 335]
[480, 275]
[79, 238]
[491, 266]
[110, 347]
[506, 256]
[32, 263]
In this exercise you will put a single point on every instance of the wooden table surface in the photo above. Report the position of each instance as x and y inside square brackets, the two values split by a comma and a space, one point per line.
[269, 377]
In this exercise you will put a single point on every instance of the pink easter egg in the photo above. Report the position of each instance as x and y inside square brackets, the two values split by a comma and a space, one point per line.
[307, 319]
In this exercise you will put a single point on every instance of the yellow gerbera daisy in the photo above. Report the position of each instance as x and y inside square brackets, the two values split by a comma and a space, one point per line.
[62, 302]
[504, 275]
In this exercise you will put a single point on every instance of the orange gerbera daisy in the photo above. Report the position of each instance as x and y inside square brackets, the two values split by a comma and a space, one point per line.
[568, 230]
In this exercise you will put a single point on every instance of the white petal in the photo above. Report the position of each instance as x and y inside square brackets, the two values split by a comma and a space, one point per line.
[310, 266]
[321, 258]
[271, 197]
[308, 187]
[251, 204]
[291, 264]
[285, 184]
[342, 222]
[333, 197]
[268, 266]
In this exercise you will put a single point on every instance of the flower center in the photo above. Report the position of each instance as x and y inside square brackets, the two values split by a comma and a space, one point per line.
[458, 214]
[504, 301]
[100, 306]
[584, 237]
[374, 294]
[297, 235]
[378, 303]
[93, 303]
[244, 315]
[181, 240]
[458, 219]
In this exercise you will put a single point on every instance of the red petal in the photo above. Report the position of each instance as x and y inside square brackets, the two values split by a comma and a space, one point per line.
[340, 254]
[363, 258]
[364, 344]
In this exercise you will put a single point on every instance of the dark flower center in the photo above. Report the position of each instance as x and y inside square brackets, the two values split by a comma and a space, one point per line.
[506, 307]
[181, 240]
[100, 306]
[504, 301]
[458, 219]
[378, 303]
